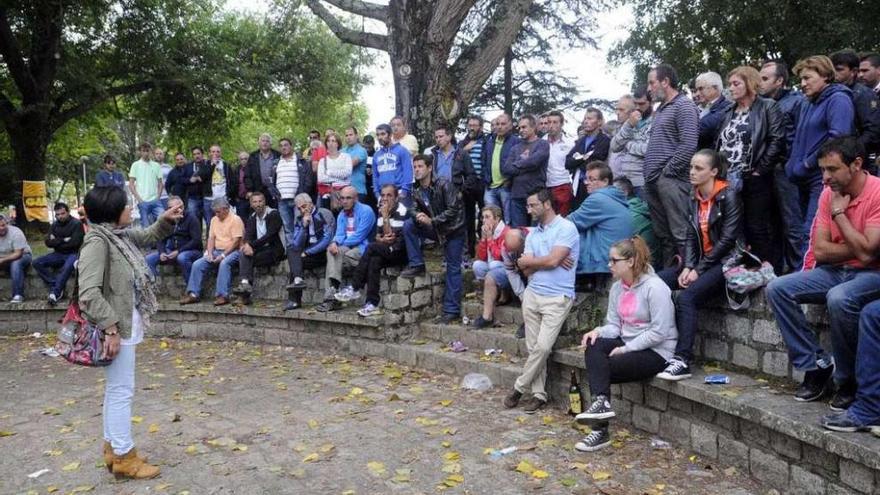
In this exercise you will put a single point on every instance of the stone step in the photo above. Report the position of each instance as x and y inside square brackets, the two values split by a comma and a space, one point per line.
[502, 337]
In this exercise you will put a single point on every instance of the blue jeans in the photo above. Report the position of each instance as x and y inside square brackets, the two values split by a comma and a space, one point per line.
[224, 273]
[149, 212]
[845, 291]
[287, 210]
[184, 260]
[46, 265]
[708, 284]
[118, 396]
[17, 270]
[793, 233]
[494, 269]
[413, 233]
[866, 408]
[207, 212]
[808, 198]
[500, 197]
[194, 207]
[519, 214]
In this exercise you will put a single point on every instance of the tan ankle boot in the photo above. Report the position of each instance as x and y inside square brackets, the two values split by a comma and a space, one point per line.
[132, 466]
[108, 455]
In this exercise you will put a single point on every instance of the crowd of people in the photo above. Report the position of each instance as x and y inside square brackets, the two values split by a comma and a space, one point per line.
[653, 202]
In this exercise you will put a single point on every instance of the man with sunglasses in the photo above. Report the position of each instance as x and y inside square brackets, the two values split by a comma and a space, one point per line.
[353, 227]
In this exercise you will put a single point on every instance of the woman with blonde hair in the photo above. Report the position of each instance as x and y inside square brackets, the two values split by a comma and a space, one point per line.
[638, 337]
[752, 138]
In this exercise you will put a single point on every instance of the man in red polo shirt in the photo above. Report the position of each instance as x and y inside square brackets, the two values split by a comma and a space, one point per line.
[845, 246]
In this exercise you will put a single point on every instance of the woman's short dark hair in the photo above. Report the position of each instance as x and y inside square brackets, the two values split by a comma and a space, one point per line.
[105, 204]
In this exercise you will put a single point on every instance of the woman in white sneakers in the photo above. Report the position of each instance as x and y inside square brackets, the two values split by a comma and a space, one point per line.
[637, 339]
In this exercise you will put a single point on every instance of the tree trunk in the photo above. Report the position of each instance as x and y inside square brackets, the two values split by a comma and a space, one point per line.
[508, 82]
[29, 139]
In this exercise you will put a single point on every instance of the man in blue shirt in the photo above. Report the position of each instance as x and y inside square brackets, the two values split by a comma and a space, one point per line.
[392, 164]
[549, 263]
[109, 176]
[358, 156]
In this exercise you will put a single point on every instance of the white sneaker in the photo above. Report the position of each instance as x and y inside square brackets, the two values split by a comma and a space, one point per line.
[676, 369]
[347, 294]
[52, 299]
[368, 310]
[17, 299]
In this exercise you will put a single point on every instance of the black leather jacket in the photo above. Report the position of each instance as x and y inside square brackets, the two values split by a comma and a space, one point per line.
[443, 205]
[767, 126]
[725, 230]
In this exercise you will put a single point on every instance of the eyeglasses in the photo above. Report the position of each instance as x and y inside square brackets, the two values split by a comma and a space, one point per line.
[612, 261]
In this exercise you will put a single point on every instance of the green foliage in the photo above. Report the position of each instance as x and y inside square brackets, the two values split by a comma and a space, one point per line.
[695, 36]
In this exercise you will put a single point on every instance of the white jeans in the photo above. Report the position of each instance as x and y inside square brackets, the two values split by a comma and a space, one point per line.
[118, 395]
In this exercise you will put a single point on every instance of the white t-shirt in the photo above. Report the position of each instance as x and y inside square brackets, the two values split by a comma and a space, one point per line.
[137, 329]
[557, 174]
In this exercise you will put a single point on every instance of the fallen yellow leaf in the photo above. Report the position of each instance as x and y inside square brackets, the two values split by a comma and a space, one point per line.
[446, 444]
[601, 475]
[153, 428]
[377, 468]
[356, 391]
[51, 489]
[446, 402]
[192, 449]
[73, 466]
[5, 433]
[452, 456]
[525, 467]
[137, 419]
[539, 474]
[313, 423]
[311, 457]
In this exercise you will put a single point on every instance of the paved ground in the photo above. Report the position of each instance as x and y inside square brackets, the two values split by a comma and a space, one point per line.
[223, 418]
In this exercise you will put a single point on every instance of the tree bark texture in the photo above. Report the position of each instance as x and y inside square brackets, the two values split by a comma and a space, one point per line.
[429, 87]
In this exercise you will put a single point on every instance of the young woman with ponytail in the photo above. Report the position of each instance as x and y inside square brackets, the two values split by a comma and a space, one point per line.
[636, 341]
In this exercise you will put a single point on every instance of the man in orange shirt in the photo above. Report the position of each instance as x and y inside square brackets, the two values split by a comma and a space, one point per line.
[845, 245]
[222, 254]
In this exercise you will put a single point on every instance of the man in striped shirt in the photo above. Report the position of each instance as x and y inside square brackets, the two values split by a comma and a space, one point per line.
[672, 143]
[289, 182]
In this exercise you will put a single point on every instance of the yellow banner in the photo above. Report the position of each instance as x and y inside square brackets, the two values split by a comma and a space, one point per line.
[33, 195]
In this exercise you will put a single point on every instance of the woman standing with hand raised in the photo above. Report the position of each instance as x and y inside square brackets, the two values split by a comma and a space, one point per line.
[117, 293]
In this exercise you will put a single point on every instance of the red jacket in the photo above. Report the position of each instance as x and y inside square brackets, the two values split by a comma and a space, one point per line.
[493, 245]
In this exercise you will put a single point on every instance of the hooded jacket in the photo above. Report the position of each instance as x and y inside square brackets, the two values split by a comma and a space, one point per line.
[725, 228]
[642, 315]
[828, 115]
[392, 165]
[602, 219]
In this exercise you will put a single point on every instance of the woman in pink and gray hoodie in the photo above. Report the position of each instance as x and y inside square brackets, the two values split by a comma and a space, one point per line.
[637, 340]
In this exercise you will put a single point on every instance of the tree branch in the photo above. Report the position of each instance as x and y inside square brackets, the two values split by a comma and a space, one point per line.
[480, 58]
[14, 59]
[347, 35]
[59, 118]
[448, 17]
[359, 7]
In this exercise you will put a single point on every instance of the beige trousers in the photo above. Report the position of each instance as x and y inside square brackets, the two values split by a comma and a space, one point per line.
[543, 317]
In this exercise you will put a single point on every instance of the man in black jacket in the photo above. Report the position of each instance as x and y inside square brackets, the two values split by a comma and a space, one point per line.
[216, 182]
[438, 215]
[193, 178]
[526, 168]
[65, 237]
[262, 244]
[592, 146]
[865, 102]
[240, 193]
[261, 167]
[183, 246]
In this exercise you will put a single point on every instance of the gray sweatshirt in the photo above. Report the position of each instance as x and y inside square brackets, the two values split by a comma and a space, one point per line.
[643, 315]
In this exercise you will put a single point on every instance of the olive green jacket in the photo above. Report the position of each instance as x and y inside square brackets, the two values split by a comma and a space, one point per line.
[112, 305]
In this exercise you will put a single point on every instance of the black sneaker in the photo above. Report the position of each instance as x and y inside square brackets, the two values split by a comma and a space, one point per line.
[521, 331]
[534, 405]
[599, 409]
[843, 397]
[815, 384]
[676, 369]
[413, 271]
[597, 439]
[447, 319]
[844, 422]
[512, 399]
[481, 322]
[328, 305]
